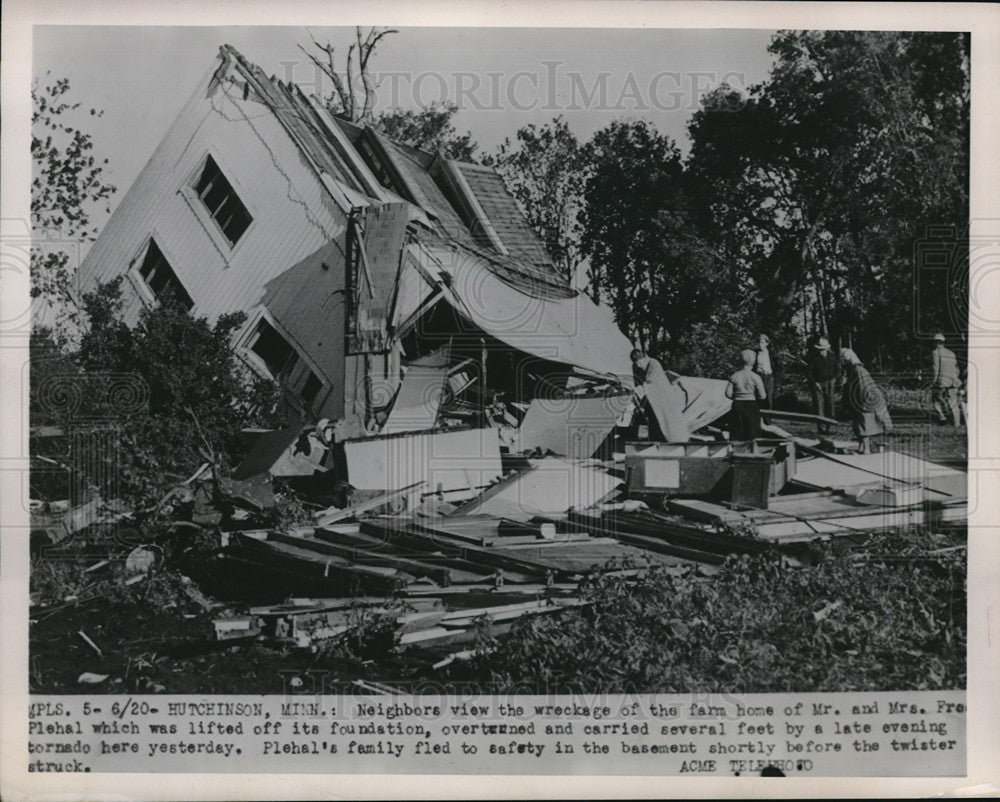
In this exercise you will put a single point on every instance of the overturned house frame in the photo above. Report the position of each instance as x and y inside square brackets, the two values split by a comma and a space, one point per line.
[386, 289]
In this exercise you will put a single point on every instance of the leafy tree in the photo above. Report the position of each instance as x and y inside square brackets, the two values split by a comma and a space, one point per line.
[645, 259]
[170, 390]
[67, 181]
[546, 170]
[429, 129]
[821, 184]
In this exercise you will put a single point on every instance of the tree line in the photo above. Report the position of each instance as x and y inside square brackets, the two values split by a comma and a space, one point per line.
[830, 199]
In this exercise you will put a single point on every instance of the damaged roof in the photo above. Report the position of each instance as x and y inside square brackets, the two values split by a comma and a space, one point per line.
[300, 118]
[500, 207]
[468, 203]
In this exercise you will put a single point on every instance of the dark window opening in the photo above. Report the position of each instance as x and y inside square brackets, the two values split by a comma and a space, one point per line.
[274, 350]
[222, 202]
[311, 388]
[161, 278]
[381, 172]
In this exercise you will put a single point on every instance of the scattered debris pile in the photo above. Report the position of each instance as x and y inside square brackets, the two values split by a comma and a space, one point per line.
[522, 543]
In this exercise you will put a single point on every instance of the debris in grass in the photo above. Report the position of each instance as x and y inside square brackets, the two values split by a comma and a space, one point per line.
[90, 643]
[140, 561]
[819, 615]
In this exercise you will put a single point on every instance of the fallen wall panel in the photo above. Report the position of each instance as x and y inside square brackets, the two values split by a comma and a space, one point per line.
[549, 486]
[570, 427]
[458, 462]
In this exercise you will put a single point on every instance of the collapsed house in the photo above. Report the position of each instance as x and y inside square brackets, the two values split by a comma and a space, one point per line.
[393, 293]
[435, 362]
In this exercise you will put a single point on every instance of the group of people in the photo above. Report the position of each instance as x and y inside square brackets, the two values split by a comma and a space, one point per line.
[751, 389]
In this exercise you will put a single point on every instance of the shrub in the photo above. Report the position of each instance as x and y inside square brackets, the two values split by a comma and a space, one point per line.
[168, 394]
[760, 626]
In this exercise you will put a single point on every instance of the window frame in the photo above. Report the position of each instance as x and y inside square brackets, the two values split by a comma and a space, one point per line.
[189, 192]
[134, 273]
[257, 363]
[253, 335]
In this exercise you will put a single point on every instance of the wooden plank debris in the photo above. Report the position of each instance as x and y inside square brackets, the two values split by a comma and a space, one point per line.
[856, 470]
[644, 541]
[309, 565]
[332, 515]
[418, 534]
[443, 576]
[548, 486]
[298, 606]
[90, 643]
[803, 417]
[453, 561]
[794, 518]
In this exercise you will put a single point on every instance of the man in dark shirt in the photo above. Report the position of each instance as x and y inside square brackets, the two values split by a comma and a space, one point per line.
[822, 365]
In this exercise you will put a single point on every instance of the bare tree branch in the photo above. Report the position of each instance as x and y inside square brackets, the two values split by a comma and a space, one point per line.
[354, 87]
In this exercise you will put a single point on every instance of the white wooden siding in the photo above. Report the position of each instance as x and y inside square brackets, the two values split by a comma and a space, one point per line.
[293, 212]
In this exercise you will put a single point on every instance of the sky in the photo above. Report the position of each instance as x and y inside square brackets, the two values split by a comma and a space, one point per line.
[501, 78]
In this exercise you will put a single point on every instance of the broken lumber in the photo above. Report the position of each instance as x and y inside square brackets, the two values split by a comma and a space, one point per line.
[310, 565]
[366, 557]
[653, 544]
[333, 514]
[805, 417]
[506, 612]
[453, 561]
[654, 524]
[423, 536]
[507, 528]
[90, 643]
[303, 606]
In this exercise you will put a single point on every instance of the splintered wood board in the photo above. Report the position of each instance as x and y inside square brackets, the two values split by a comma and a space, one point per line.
[878, 519]
[578, 558]
[853, 470]
[454, 461]
[797, 518]
[782, 508]
[478, 529]
[549, 486]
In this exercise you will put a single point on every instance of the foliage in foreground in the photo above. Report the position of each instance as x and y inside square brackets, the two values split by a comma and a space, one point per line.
[846, 624]
[166, 396]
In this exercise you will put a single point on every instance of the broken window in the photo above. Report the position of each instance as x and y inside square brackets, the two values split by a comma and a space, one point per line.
[222, 202]
[378, 167]
[161, 278]
[311, 388]
[274, 351]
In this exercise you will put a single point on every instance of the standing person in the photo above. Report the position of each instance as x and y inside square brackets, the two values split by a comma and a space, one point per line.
[822, 367]
[746, 388]
[946, 383]
[664, 398]
[864, 400]
[764, 367]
